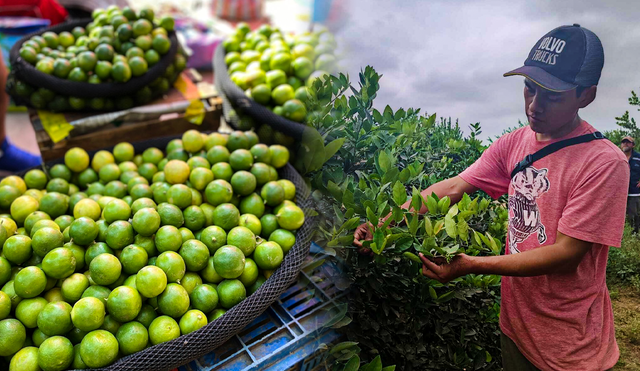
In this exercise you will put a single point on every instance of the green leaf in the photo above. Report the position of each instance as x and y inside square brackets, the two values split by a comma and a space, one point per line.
[404, 243]
[412, 256]
[312, 148]
[384, 161]
[438, 227]
[432, 293]
[405, 174]
[428, 227]
[390, 175]
[373, 218]
[432, 205]
[450, 226]
[453, 211]
[342, 346]
[375, 365]
[446, 297]
[416, 200]
[379, 241]
[389, 368]
[353, 364]
[347, 199]
[413, 224]
[342, 311]
[397, 214]
[463, 230]
[332, 148]
[443, 204]
[335, 191]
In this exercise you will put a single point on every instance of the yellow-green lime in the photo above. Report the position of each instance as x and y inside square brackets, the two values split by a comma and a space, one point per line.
[176, 172]
[272, 193]
[99, 348]
[204, 297]
[170, 214]
[87, 207]
[190, 281]
[17, 249]
[229, 261]
[119, 234]
[76, 159]
[98, 292]
[218, 192]
[21, 207]
[88, 313]
[192, 321]
[133, 258]
[55, 319]
[163, 329]
[151, 281]
[226, 216]
[200, 177]
[28, 309]
[172, 264]
[192, 141]
[26, 359]
[59, 263]
[174, 300]
[73, 287]
[30, 282]
[12, 336]
[252, 222]
[124, 304]
[83, 230]
[105, 269]
[252, 204]
[284, 238]
[222, 170]
[218, 153]
[268, 255]
[250, 273]
[195, 255]
[230, 293]
[242, 238]
[179, 195]
[132, 337]
[290, 217]
[146, 221]
[55, 354]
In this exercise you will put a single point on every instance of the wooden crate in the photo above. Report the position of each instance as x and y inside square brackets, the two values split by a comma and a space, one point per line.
[169, 124]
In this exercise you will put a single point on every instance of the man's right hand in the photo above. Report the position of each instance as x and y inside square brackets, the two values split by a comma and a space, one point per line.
[363, 232]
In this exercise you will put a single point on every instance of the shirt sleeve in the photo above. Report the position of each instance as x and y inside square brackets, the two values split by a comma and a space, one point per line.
[596, 207]
[489, 172]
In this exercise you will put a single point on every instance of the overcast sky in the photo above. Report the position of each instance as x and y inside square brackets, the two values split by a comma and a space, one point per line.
[448, 56]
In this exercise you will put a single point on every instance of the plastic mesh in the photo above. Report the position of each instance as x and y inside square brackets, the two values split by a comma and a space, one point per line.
[26, 72]
[233, 96]
[188, 347]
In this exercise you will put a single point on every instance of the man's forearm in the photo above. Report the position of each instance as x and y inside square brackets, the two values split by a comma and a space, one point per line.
[542, 260]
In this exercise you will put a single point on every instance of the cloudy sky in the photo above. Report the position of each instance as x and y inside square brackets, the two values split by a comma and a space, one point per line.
[448, 56]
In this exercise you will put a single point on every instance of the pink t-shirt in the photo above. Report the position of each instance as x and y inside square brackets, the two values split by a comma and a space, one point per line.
[559, 321]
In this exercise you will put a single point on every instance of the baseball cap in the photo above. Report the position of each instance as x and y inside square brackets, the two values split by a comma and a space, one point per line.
[630, 139]
[563, 59]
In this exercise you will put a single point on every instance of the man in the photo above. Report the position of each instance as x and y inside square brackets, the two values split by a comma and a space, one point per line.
[564, 211]
[633, 199]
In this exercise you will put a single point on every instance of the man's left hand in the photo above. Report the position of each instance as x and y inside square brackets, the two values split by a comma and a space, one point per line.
[439, 270]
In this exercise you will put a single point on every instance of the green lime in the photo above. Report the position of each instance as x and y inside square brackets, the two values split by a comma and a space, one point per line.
[88, 313]
[261, 153]
[289, 188]
[134, 181]
[170, 214]
[241, 159]
[95, 250]
[73, 287]
[268, 255]
[160, 192]
[218, 153]
[209, 273]
[12, 336]
[17, 249]
[192, 321]
[218, 192]
[83, 231]
[174, 300]
[76, 335]
[252, 204]
[192, 141]
[237, 140]
[78, 253]
[133, 258]
[151, 281]
[59, 263]
[147, 171]
[290, 217]
[9, 289]
[5, 305]
[54, 203]
[87, 207]
[204, 297]
[186, 234]
[121, 72]
[243, 182]
[35, 179]
[132, 337]
[30, 282]
[222, 171]
[179, 195]
[142, 203]
[226, 216]
[213, 237]
[217, 313]
[109, 172]
[147, 315]
[22, 207]
[64, 221]
[168, 238]
[159, 176]
[172, 264]
[250, 273]
[115, 188]
[138, 65]
[229, 261]
[146, 221]
[55, 319]
[208, 213]
[78, 363]
[124, 304]
[279, 155]
[163, 329]
[99, 348]
[176, 172]
[200, 177]
[161, 43]
[98, 292]
[25, 360]
[55, 354]
[190, 281]
[242, 238]
[251, 222]
[110, 324]
[28, 309]
[194, 218]
[195, 255]
[38, 337]
[119, 234]
[140, 191]
[105, 269]
[230, 293]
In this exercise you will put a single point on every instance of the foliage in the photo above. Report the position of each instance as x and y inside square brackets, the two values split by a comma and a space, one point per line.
[623, 266]
[509, 130]
[410, 320]
[627, 124]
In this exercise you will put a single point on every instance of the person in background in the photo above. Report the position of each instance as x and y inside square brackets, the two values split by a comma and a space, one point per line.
[12, 158]
[633, 199]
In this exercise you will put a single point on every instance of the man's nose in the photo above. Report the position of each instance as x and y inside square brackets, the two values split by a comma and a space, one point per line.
[536, 105]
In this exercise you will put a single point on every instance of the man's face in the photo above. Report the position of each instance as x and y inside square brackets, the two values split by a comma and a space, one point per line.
[548, 111]
[627, 146]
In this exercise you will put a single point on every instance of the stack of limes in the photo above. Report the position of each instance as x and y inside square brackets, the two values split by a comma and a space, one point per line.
[105, 256]
[277, 69]
[116, 46]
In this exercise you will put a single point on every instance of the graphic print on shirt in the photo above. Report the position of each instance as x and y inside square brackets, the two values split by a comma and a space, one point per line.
[524, 214]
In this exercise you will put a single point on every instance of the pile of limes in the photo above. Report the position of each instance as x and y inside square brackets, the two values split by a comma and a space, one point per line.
[103, 257]
[277, 69]
[116, 46]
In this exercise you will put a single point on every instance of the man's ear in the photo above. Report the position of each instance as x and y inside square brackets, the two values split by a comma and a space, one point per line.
[587, 96]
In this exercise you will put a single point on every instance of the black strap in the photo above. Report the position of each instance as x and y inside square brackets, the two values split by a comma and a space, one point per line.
[531, 158]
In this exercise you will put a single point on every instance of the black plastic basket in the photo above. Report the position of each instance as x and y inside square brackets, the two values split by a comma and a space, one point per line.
[186, 348]
[233, 98]
[25, 71]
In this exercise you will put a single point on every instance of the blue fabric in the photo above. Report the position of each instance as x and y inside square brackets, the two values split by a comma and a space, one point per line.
[321, 9]
[634, 167]
[15, 159]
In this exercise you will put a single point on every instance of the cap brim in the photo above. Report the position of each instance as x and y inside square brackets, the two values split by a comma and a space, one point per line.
[542, 78]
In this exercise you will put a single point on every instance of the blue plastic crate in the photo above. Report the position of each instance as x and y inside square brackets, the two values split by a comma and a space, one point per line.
[288, 335]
